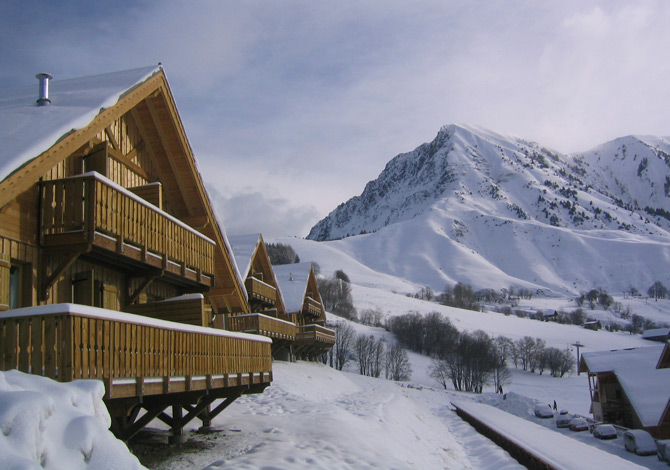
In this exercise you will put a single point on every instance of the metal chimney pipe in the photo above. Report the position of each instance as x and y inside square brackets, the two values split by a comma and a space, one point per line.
[43, 99]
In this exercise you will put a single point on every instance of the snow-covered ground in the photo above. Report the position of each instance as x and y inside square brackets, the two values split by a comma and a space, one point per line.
[315, 416]
[51, 425]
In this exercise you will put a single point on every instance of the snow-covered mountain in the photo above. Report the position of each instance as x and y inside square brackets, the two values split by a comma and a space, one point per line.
[493, 211]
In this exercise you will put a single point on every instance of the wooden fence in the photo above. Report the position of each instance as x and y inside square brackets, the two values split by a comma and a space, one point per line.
[262, 324]
[316, 333]
[81, 343]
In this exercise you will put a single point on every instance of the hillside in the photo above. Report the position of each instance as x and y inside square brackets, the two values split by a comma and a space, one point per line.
[493, 211]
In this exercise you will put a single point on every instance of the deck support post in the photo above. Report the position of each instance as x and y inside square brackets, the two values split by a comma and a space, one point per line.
[177, 436]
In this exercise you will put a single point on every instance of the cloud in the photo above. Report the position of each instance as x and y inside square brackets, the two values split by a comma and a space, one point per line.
[309, 100]
[250, 211]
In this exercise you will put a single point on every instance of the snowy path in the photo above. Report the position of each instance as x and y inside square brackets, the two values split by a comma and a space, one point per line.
[316, 417]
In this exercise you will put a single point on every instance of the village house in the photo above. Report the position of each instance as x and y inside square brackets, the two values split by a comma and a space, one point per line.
[657, 334]
[631, 387]
[302, 301]
[268, 317]
[112, 263]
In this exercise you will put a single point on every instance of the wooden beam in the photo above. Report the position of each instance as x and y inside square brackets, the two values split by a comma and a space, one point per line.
[198, 222]
[147, 143]
[143, 285]
[111, 138]
[129, 431]
[225, 403]
[171, 154]
[133, 153]
[69, 259]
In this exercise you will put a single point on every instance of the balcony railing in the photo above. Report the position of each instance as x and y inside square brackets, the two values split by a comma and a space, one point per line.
[263, 325]
[315, 334]
[313, 307]
[68, 341]
[260, 290]
[91, 209]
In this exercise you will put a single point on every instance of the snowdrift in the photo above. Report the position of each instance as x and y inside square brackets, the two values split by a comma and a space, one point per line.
[51, 425]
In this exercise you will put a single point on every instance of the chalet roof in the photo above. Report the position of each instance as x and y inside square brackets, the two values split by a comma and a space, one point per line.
[292, 280]
[656, 333]
[244, 247]
[647, 387]
[34, 138]
[27, 130]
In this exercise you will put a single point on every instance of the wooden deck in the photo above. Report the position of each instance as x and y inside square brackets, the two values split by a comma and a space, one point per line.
[261, 291]
[313, 340]
[312, 307]
[91, 211]
[258, 323]
[143, 362]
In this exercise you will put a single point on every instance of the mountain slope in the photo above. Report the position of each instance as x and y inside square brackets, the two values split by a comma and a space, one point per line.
[494, 211]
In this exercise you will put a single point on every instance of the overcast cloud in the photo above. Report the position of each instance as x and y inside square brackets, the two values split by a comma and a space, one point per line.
[291, 107]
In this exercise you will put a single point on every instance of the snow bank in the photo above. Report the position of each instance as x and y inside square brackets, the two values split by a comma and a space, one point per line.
[50, 425]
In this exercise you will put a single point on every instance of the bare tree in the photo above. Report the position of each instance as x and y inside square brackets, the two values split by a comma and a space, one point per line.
[439, 370]
[342, 351]
[397, 363]
[370, 352]
[336, 296]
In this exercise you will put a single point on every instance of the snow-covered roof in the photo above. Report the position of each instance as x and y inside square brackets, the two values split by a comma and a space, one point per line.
[647, 387]
[27, 130]
[555, 449]
[292, 281]
[244, 247]
[656, 333]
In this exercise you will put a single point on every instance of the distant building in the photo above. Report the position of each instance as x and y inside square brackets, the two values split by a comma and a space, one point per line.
[594, 325]
[657, 334]
[631, 387]
[302, 300]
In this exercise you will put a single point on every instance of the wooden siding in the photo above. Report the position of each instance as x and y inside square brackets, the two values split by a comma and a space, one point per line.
[72, 346]
[192, 311]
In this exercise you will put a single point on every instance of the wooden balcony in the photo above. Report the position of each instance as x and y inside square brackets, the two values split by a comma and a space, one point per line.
[189, 309]
[315, 334]
[261, 291]
[93, 212]
[260, 324]
[143, 362]
[312, 307]
[313, 340]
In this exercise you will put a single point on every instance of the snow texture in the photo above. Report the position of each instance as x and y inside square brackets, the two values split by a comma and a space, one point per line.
[49, 425]
[244, 248]
[292, 281]
[492, 211]
[27, 130]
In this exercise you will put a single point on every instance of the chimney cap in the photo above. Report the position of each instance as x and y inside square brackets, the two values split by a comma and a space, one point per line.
[43, 98]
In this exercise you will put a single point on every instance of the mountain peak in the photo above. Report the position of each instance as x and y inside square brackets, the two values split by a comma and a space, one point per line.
[478, 207]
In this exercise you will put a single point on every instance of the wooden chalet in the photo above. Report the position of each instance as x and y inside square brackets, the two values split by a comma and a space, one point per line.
[657, 334]
[268, 317]
[302, 301]
[631, 387]
[103, 211]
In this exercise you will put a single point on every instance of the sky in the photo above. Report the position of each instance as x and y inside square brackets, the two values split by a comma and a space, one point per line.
[291, 107]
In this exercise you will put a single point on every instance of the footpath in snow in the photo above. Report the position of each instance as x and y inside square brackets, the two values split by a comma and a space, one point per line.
[314, 416]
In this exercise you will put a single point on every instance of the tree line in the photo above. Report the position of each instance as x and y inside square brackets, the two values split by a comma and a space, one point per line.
[374, 355]
[471, 360]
